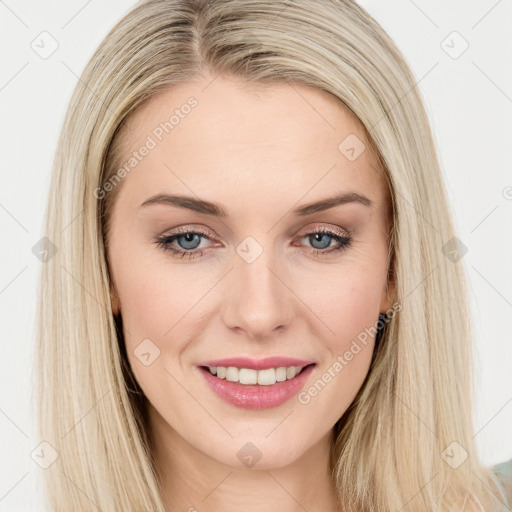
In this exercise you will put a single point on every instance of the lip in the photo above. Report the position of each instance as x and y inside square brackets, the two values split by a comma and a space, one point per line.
[257, 364]
[256, 396]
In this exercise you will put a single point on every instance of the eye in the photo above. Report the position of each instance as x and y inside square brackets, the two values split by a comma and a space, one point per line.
[188, 242]
[322, 238]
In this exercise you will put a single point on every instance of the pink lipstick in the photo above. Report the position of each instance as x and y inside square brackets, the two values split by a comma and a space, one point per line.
[256, 383]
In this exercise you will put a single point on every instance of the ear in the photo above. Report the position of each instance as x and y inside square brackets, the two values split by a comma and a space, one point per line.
[388, 295]
[114, 301]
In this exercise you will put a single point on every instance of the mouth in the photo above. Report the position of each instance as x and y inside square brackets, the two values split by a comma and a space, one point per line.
[251, 376]
[249, 388]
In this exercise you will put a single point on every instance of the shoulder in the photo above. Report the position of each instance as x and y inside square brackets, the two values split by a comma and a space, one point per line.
[504, 473]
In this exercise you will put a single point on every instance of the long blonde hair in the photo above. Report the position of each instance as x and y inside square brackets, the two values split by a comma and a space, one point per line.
[394, 445]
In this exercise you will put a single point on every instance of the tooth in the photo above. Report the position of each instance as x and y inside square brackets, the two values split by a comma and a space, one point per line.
[248, 376]
[232, 374]
[267, 377]
[290, 372]
[281, 374]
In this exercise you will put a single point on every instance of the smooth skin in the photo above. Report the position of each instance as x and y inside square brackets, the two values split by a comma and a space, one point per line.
[260, 154]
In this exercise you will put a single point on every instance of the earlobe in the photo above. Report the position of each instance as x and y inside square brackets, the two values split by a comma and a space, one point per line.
[388, 297]
[114, 302]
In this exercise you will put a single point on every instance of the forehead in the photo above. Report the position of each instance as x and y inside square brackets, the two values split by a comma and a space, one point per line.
[258, 111]
[219, 135]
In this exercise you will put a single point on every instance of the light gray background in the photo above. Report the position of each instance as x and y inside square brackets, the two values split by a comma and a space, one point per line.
[469, 100]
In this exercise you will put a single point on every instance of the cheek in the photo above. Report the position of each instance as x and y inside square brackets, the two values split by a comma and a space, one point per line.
[155, 291]
[347, 301]
[160, 309]
[160, 302]
[163, 309]
[348, 305]
[154, 301]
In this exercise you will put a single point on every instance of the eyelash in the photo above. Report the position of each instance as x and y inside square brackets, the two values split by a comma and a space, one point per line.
[165, 243]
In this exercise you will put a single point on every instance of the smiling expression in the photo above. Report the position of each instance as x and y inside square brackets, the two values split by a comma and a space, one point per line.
[247, 232]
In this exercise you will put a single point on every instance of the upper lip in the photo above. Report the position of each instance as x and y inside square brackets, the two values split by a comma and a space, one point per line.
[257, 364]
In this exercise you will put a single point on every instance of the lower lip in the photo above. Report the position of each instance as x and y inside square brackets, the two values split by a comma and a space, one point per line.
[256, 396]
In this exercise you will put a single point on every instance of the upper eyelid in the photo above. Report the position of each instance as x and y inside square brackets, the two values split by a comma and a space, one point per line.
[189, 229]
[205, 234]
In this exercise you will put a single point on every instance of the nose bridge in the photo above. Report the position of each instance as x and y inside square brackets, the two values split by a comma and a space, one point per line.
[258, 301]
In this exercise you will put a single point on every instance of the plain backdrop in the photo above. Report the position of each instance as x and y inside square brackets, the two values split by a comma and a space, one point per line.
[461, 54]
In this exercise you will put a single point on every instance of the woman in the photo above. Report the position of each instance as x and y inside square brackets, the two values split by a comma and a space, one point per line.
[254, 284]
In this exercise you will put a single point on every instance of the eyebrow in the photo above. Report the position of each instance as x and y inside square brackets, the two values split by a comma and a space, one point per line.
[209, 208]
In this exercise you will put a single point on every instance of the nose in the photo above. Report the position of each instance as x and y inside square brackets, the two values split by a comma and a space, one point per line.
[258, 299]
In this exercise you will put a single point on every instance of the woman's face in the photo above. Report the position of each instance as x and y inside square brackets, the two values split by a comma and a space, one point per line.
[248, 278]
